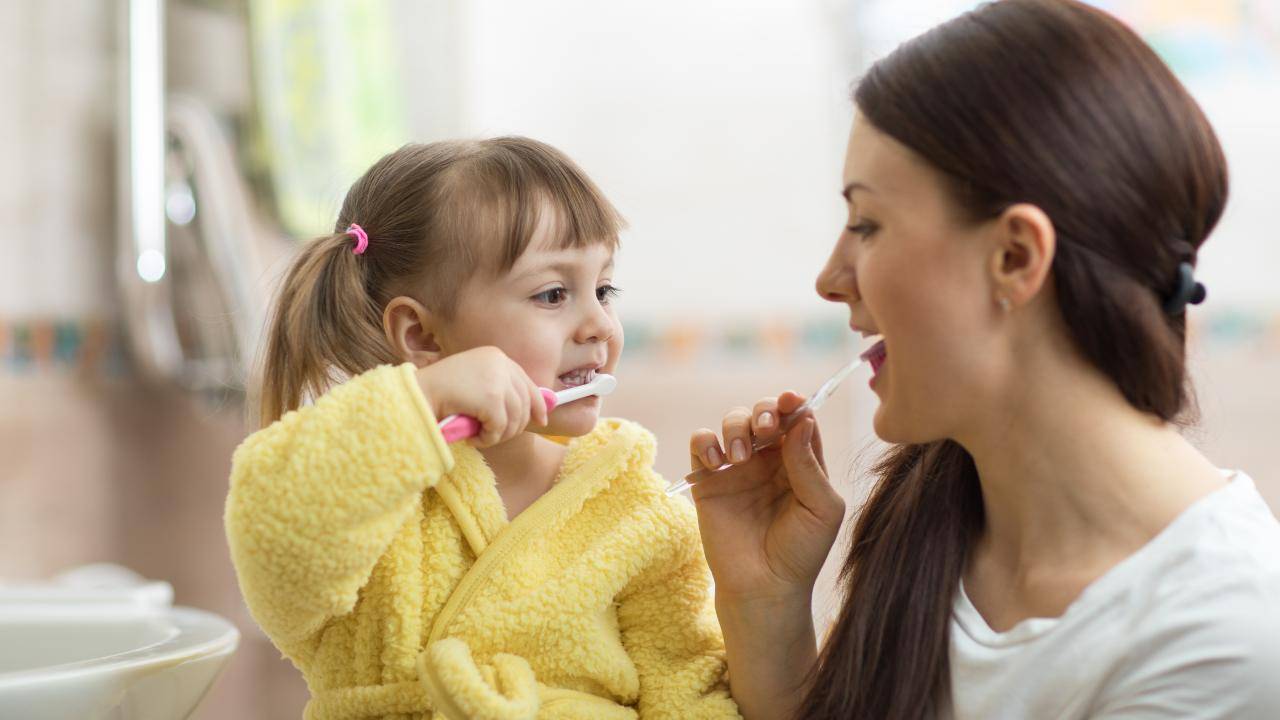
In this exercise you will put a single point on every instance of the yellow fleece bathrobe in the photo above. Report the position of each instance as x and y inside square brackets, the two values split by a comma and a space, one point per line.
[380, 560]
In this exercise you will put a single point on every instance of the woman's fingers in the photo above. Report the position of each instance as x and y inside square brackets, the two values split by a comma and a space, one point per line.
[808, 475]
[789, 402]
[704, 451]
[816, 443]
[737, 435]
[765, 419]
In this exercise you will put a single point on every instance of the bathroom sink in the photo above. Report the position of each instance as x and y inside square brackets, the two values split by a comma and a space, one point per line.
[115, 650]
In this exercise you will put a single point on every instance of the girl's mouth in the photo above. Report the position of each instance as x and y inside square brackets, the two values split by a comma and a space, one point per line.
[876, 355]
[574, 378]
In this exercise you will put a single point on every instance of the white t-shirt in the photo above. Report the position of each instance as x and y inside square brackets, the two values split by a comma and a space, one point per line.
[1186, 627]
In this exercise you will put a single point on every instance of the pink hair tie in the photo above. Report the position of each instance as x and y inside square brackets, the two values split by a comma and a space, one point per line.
[362, 238]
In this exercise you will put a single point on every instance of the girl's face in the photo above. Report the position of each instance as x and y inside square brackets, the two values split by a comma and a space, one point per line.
[553, 314]
[912, 271]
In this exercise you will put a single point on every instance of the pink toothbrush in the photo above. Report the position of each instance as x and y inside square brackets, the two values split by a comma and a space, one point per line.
[461, 427]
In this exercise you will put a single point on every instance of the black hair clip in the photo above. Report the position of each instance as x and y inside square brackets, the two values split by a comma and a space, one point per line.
[1189, 291]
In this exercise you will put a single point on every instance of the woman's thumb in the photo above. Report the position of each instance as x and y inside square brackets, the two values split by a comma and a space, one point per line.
[806, 474]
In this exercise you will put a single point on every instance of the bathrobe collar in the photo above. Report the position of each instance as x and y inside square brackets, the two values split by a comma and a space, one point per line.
[590, 464]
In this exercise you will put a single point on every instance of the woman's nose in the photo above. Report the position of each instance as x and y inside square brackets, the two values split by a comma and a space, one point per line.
[838, 281]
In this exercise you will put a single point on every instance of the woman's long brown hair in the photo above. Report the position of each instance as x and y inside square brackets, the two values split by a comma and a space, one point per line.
[1058, 104]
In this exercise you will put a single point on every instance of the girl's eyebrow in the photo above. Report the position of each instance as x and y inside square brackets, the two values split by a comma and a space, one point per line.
[563, 267]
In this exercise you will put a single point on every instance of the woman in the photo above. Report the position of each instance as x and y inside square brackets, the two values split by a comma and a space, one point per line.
[1028, 187]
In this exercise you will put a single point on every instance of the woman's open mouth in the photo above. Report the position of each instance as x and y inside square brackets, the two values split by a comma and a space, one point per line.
[876, 355]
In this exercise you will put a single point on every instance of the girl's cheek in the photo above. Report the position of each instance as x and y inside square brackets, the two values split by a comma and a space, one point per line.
[616, 344]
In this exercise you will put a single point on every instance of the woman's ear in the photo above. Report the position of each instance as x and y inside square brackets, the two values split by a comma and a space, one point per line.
[412, 331]
[1024, 249]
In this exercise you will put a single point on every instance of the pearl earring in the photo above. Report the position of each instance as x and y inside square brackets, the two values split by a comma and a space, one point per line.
[1004, 303]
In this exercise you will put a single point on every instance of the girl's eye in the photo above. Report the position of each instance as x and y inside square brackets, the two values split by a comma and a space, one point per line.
[604, 293]
[864, 229]
[554, 296]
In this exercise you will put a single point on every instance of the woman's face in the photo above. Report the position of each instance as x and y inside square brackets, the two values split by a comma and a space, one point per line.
[913, 271]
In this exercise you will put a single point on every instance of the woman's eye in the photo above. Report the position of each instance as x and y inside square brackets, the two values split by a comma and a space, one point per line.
[864, 229]
[605, 293]
[554, 296]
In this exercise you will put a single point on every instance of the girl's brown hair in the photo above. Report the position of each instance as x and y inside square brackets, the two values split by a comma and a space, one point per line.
[1054, 103]
[435, 214]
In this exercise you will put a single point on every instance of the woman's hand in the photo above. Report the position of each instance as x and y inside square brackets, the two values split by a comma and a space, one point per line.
[490, 387]
[769, 519]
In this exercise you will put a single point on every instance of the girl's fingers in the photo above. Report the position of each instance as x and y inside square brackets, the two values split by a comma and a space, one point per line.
[492, 428]
[737, 435]
[540, 410]
[537, 406]
[704, 450]
[519, 419]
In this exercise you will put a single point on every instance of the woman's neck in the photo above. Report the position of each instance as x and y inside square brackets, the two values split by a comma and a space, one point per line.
[1075, 479]
[525, 468]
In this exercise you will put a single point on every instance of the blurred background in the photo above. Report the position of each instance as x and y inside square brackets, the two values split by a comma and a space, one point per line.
[162, 159]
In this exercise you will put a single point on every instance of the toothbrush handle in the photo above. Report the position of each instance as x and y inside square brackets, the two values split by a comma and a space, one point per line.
[461, 427]
[679, 486]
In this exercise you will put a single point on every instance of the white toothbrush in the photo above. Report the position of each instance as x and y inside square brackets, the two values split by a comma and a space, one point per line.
[460, 427]
[815, 401]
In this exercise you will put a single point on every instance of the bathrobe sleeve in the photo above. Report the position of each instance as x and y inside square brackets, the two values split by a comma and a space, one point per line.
[670, 630]
[317, 497]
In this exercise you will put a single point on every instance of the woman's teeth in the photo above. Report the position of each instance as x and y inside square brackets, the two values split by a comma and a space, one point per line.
[578, 377]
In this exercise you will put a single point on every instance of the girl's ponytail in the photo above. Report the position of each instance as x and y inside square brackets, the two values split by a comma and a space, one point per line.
[324, 324]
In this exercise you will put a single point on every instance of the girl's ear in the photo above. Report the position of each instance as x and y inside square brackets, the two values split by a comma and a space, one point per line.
[1024, 250]
[412, 331]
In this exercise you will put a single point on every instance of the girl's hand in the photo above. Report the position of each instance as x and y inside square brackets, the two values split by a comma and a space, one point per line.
[769, 520]
[490, 387]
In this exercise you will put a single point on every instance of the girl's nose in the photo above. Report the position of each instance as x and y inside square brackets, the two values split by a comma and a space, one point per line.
[596, 325]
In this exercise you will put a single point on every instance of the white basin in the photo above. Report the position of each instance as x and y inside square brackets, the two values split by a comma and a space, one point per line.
[110, 651]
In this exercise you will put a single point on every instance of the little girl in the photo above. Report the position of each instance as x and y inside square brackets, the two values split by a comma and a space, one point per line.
[536, 571]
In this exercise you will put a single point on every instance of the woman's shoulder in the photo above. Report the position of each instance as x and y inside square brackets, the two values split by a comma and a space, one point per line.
[1200, 615]
[1206, 617]
[1229, 536]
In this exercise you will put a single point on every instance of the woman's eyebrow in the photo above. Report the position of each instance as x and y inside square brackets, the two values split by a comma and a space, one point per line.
[855, 185]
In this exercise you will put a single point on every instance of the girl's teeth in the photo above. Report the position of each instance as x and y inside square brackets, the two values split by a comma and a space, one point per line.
[578, 377]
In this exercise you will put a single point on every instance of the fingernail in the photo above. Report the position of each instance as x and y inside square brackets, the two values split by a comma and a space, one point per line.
[739, 451]
[766, 419]
[714, 458]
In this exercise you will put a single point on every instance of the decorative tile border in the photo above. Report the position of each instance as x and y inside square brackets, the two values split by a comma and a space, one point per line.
[96, 346]
[92, 346]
